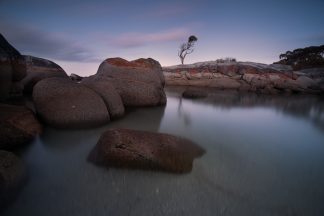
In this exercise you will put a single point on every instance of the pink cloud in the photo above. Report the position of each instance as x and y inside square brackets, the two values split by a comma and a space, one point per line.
[135, 39]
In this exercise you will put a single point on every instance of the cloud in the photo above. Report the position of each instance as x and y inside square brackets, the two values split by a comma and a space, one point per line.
[33, 41]
[135, 39]
[167, 11]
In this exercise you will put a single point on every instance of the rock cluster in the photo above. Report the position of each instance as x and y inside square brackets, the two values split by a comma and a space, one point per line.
[64, 101]
[246, 76]
[95, 100]
[127, 148]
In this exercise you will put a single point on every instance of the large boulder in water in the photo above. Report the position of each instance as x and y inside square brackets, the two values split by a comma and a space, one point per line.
[12, 68]
[18, 126]
[38, 69]
[104, 87]
[61, 102]
[139, 82]
[12, 177]
[144, 150]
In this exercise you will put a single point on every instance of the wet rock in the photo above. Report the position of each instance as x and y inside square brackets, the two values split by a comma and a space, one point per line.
[18, 126]
[61, 102]
[144, 150]
[12, 177]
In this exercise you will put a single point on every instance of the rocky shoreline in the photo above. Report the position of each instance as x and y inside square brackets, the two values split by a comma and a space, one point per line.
[247, 76]
[60, 101]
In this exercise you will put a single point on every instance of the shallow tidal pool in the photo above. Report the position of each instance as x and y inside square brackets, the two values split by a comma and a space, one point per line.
[264, 156]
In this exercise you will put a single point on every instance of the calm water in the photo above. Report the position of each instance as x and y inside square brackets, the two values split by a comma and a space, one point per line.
[265, 156]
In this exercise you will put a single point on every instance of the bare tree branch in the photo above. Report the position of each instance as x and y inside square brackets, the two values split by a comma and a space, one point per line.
[187, 48]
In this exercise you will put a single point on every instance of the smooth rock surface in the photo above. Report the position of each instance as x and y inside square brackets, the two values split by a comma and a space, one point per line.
[139, 82]
[144, 150]
[61, 102]
[104, 87]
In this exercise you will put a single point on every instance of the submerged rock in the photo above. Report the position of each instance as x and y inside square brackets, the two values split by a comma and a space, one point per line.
[192, 93]
[61, 102]
[18, 126]
[12, 177]
[145, 150]
[38, 69]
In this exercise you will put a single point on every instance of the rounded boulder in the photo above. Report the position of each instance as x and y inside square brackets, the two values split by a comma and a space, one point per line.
[134, 149]
[63, 103]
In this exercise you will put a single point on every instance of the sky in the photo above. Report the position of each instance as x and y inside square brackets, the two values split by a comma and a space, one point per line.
[78, 35]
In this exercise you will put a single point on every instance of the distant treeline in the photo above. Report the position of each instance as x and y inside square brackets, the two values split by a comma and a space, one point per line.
[302, 58]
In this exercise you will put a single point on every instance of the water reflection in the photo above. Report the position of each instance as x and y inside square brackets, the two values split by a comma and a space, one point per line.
[310, 107]
[183, 114]
[263, 157]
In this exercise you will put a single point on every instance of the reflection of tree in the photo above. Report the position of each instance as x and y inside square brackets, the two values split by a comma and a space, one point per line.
[183, 114]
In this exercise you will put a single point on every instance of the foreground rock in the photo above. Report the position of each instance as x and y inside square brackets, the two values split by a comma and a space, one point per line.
[246, 76]
[144, 150]
[38, 69]
[139, 82]
[12, 70]
[12, 177]
[18, 126]
[63, 103]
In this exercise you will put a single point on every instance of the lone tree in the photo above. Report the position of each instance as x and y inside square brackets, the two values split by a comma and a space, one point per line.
[187, 48]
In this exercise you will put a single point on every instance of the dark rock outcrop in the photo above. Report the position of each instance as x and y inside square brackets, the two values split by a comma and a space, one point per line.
[138, 82]
[144, 150]
[75, 77]
[12, 177]
[38, 69]
[12, 69]
[63, 103]
[104, 87]
[18, 126]
[246, 76]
